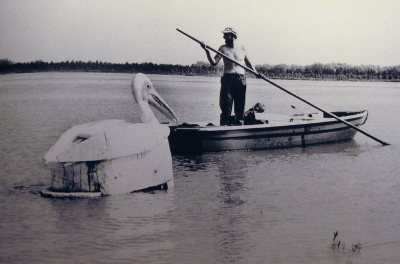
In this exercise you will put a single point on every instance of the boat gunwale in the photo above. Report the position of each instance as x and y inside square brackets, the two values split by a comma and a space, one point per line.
[277, 135]
[295, 124]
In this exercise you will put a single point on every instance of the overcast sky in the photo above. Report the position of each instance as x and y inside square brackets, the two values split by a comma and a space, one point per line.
[299, 32]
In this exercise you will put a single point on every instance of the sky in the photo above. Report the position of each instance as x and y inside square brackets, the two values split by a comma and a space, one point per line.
[301, 32]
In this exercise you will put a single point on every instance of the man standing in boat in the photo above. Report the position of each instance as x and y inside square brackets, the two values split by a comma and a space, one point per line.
[233, 82]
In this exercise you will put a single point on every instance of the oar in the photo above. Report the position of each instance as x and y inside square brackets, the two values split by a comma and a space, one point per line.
[283, 89]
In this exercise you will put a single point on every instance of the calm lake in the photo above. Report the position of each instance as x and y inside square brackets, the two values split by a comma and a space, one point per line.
[272, 206]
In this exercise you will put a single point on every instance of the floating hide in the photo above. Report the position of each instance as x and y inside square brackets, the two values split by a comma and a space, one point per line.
[110, 157]
[113, 156]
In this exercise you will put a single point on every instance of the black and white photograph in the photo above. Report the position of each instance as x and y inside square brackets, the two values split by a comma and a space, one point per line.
[215, 131]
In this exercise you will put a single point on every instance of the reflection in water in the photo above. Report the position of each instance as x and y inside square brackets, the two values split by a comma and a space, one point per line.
[232, 176]
[256, 201]
[225, 192]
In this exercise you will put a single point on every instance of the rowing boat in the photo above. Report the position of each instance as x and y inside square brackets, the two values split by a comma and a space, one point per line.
[271, 131]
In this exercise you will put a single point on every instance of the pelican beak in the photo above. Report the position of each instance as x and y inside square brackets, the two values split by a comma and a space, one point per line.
[155, 100]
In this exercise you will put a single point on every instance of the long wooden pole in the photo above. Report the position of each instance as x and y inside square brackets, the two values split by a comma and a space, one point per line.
[283, 89]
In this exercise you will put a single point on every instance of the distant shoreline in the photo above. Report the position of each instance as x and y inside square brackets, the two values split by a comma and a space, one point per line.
[314, 72]
[249, 75]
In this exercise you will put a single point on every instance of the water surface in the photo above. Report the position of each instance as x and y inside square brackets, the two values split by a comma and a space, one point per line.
[272, 206]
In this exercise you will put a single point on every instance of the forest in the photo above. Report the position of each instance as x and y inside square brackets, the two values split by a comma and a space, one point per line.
[316, 71]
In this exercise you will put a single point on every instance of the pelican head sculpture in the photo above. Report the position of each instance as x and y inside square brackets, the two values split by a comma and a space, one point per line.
[112, 156]
[145, 95]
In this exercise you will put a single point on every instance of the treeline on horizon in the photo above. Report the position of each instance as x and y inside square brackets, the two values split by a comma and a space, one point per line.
[316, 71]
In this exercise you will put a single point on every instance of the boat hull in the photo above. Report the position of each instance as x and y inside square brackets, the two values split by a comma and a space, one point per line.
[275, 134]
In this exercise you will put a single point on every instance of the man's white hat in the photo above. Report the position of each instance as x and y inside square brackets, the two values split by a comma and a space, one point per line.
[229, 30]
